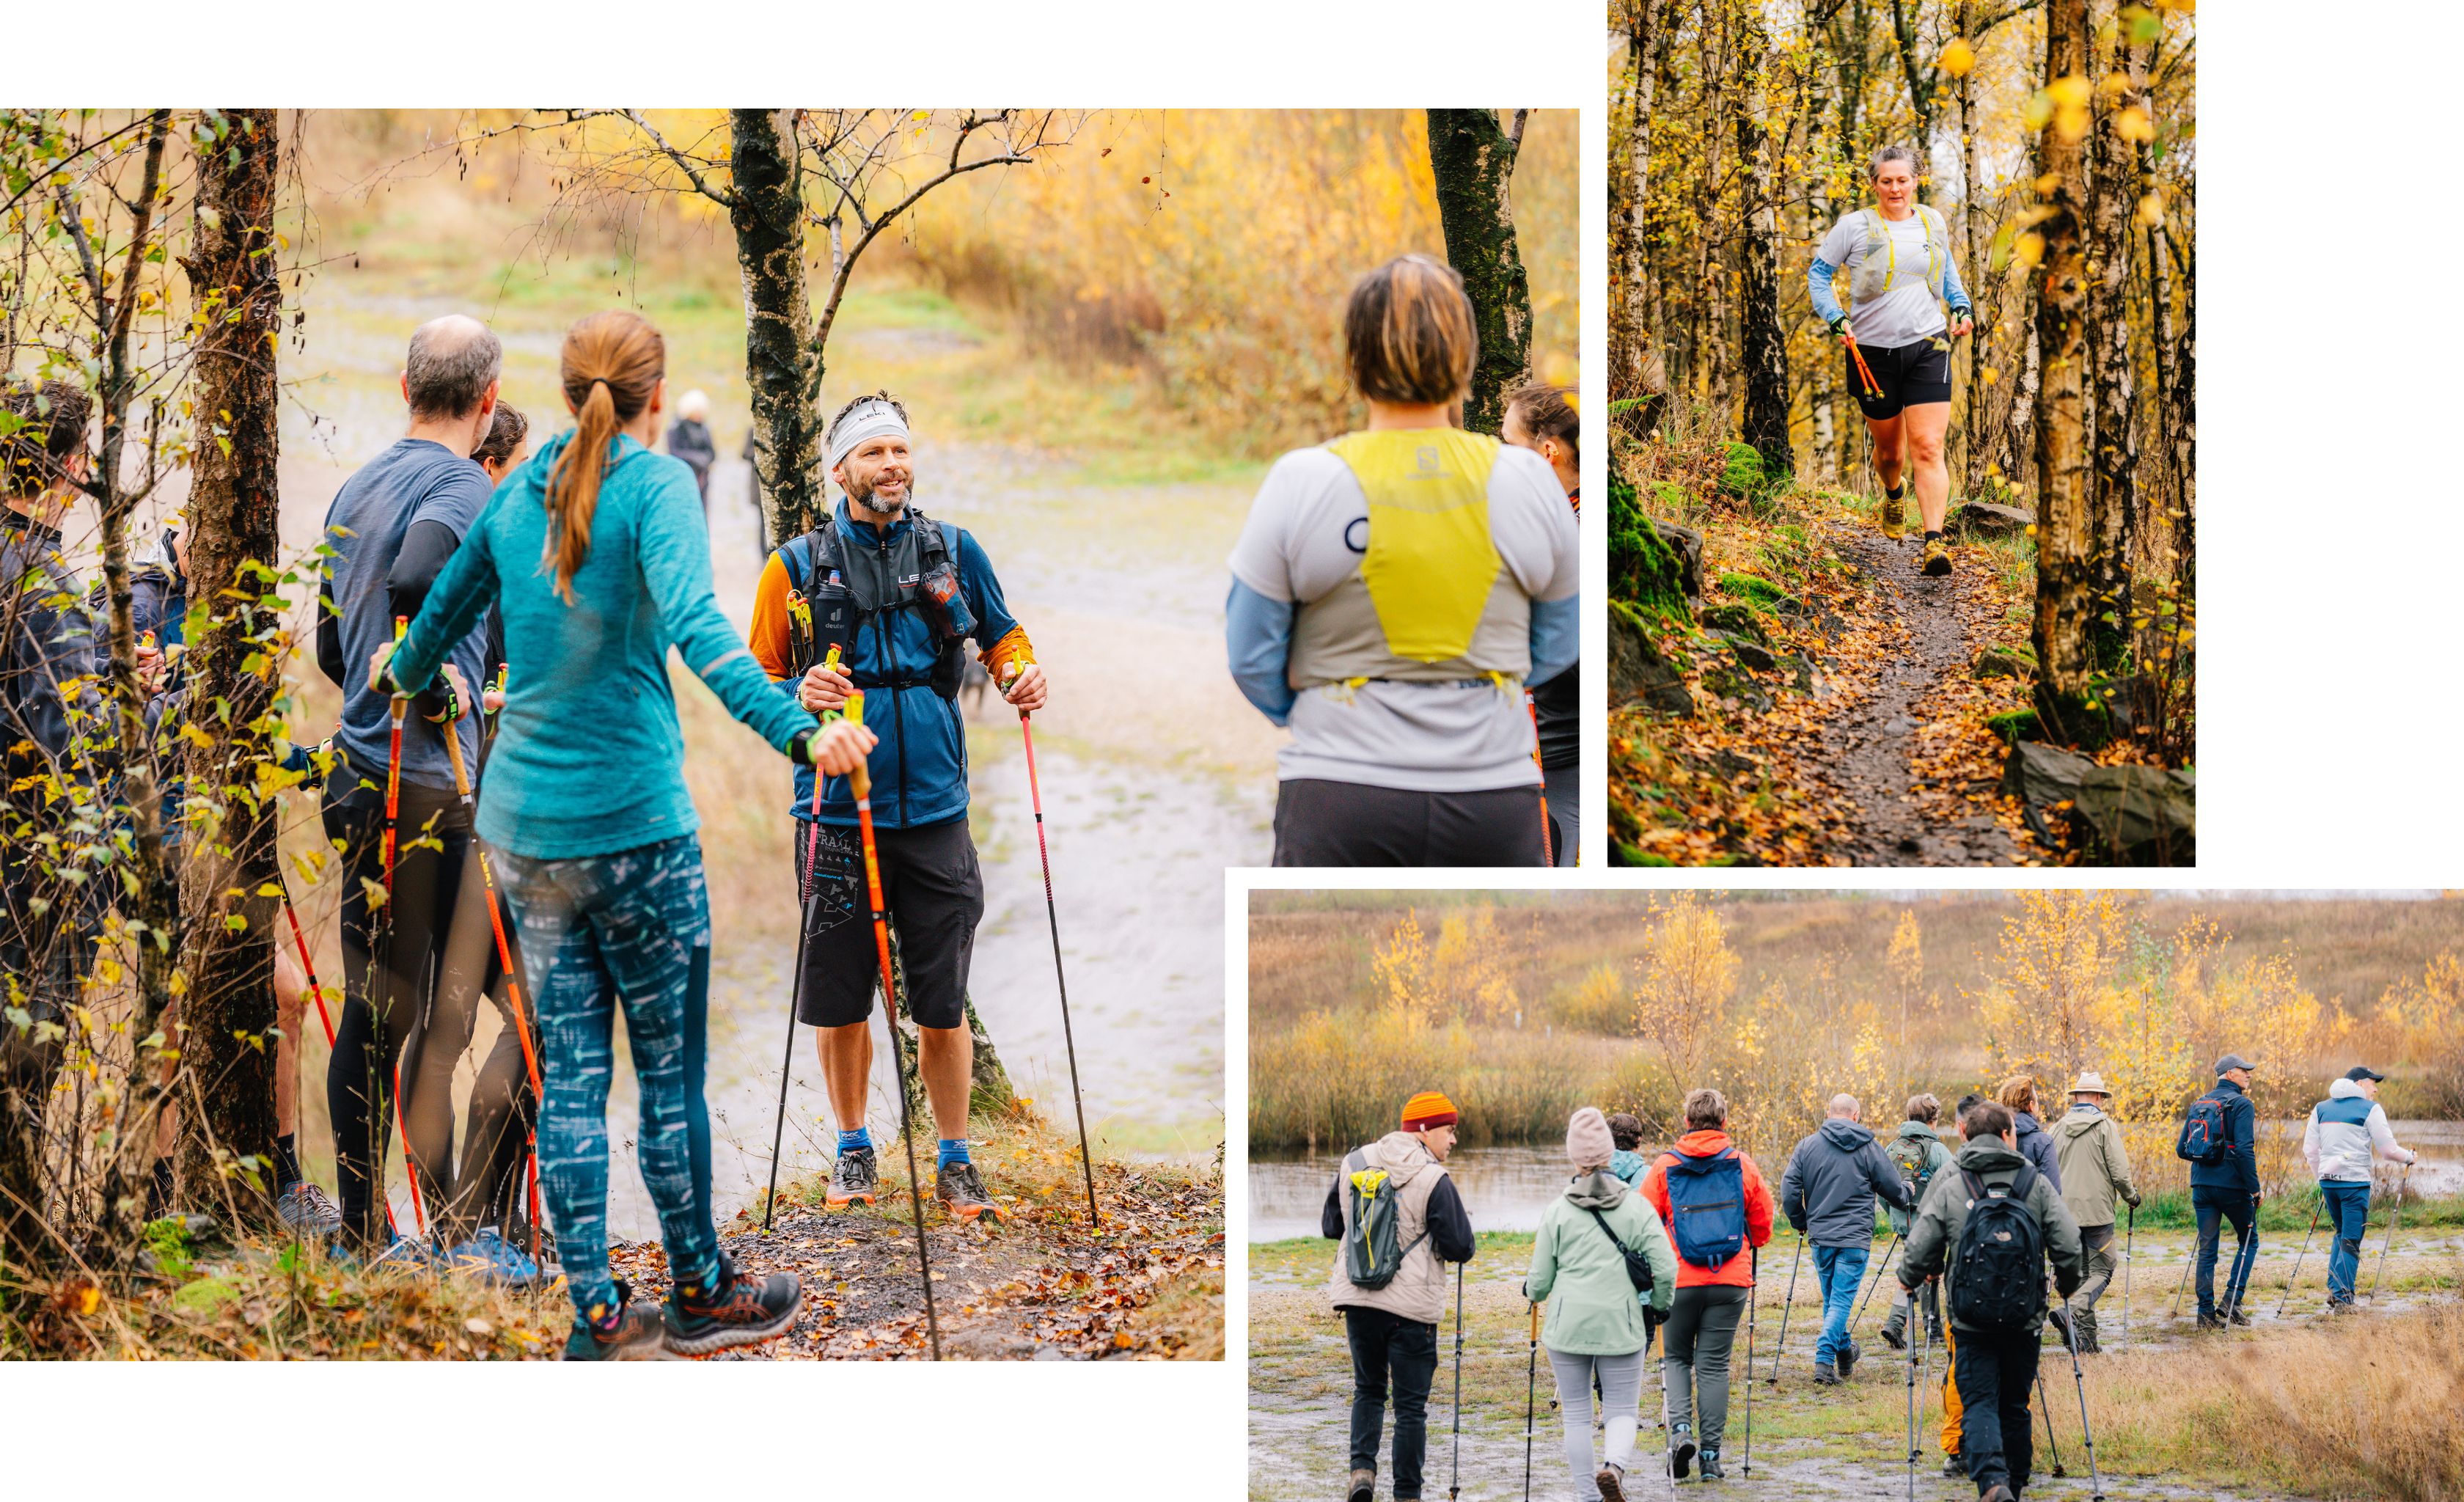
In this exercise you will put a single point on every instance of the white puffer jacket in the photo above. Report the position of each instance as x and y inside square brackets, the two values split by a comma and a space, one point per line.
[2342, 1135]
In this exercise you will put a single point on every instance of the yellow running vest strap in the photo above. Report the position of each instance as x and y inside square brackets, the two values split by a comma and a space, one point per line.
[1878, 271]
[1432, 601]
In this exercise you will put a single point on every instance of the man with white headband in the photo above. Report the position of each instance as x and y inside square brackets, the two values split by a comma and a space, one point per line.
[898, 595]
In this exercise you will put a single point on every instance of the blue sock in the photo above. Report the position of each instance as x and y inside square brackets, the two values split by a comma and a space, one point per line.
[859, 1140]
[954, 1150]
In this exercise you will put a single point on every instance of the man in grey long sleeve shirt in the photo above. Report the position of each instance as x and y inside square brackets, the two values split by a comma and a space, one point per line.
[1828, 1194]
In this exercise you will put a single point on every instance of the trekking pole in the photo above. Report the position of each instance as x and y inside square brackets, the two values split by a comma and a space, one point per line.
[862, 777]
[512, 983]
[1754, 1262]
[2129, 1237]
[307, 965]
[2297, 1257]
[1917, 1309]
[1052, 913]
[1866, 1297]
[1531, 1398]
[2087, 1432]
[392, 823]
[1785, 1304]
[1454, 1488]
[1668, 1435]
[1865, 371]
[2395, 1213]
[2193, 1255]
[2047, 1404]
[1548, 853]
[796, 988]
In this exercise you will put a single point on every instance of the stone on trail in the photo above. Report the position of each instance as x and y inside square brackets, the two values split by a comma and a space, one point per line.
[1752, 654]
[1687, 544]
[1999, 662]
[1636, 671]
[1737, 620]
[2128, 815]
[1983, 518]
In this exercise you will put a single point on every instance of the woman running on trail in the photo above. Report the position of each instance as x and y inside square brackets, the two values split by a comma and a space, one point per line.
[1394, 592]
[1901, 272]
[596, 554]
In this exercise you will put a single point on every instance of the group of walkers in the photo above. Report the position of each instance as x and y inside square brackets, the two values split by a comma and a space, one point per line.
[1404, 601]
[508, 803]
[1999, 1240]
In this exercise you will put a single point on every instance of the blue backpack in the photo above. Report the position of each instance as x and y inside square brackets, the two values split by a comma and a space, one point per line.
[2205, 1138]
[1706, 1205]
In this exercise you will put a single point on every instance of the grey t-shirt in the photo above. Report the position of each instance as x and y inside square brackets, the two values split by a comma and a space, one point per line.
[1308, 533]
[1910, 311]
[415, 481]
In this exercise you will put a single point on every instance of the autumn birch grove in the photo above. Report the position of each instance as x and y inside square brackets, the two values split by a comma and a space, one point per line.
[1902, 563]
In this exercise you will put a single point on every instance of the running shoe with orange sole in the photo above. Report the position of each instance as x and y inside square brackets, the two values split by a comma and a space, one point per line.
[738, 1310]
[1937, 558]
[855, 1179]
[961, 1189]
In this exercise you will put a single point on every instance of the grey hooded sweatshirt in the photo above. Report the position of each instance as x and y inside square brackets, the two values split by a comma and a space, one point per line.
[1828, 1191]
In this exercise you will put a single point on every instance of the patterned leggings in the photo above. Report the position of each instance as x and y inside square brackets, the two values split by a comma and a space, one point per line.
[599, 930]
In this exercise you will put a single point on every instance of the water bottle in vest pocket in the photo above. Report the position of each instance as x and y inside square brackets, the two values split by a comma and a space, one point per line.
[1998, 1279]
[1373, 1235]
[2205, 1136]
[1707, 1208]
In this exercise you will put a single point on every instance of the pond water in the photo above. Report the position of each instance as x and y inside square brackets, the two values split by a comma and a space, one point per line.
[1506, 1188]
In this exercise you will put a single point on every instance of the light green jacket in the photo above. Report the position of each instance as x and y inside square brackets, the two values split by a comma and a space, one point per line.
[1594, 1309]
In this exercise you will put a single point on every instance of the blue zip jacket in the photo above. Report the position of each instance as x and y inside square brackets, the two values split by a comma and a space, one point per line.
[588, 759]
[919, 768]
[2240, 1169]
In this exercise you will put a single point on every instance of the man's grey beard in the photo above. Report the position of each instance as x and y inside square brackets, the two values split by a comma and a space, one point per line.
[864, 501]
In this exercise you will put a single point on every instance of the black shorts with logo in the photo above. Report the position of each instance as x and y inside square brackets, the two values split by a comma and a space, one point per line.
[935, 893]
[1910, 375]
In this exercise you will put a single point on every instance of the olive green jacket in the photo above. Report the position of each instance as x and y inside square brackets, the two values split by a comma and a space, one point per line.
[1933, 1243]
[2096, 1164]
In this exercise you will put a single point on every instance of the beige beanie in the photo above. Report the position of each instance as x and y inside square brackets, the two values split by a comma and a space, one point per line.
[1588, 1142]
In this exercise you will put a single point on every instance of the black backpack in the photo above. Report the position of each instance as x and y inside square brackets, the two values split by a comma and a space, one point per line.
[1998, 1280]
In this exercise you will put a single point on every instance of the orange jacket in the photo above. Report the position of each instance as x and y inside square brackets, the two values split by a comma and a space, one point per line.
[1738, 1271]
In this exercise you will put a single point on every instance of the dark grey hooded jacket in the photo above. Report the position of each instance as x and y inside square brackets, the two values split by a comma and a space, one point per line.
[2037, 1146]
[1833, 1177]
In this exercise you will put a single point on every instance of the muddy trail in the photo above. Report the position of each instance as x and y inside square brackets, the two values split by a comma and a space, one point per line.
[1035, 1286]
[1896, 761]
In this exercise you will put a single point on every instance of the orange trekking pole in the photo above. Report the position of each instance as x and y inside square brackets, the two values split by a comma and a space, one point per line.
[392, 819]
[512, 982]
[307, 965]
[861, 779]
[1865, 371]
[1052, 913]
[796, 993]
[1547, 850]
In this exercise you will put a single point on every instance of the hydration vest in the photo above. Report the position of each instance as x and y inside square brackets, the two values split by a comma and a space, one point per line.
[1879, 271]
[1432, 601]
[831, 595]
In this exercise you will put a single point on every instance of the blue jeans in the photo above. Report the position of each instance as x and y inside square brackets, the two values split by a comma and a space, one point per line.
[2349, 1213]
[630, 929]
[1840, 1270]
[2212, 1206]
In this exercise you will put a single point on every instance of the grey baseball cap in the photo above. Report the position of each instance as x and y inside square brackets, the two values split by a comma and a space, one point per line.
[2232, 1062]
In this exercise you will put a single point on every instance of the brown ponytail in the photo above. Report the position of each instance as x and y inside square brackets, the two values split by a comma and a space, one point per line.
[612, 365]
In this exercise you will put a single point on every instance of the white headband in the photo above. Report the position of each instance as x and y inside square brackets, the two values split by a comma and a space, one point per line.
[874, 419]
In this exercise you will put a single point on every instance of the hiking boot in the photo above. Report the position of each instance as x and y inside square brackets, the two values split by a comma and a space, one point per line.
[2237, 1317]
[2210, 1323]
[1894, 1335]
[1708, 1464]
[961, 1189]
[305, 1210]
[1998, 1493]
[1362, 1487]
[2061, 1319]
[856, 1178]
[491, 1259]
[1894, 516]
[736, 1310]
[1681, 1452]
[1937, 558]
[1826, 1373]
[1610, 1480]
[1953, 1466]
[1848, 1355]
[629, 1333]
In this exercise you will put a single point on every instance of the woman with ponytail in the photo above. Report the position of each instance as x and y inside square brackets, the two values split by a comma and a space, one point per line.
[596, 555]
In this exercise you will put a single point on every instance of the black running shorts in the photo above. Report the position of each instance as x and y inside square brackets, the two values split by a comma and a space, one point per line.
[935, 892]
[1320, 822]
[1910, 375]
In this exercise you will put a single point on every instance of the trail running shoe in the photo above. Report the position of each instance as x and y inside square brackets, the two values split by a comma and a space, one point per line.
[739, 1310]
[490, 1258]
[856, 1177]
[1937, 558]
[1362, 1487]
[1681, 1453]
[1894, 518]
[630, 1333]
[961, 1189]
[304, 1210]
[406, 1255]
[1708, 1464]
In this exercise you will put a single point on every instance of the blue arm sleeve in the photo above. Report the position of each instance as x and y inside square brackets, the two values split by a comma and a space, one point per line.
[461, 594]
[1259, 633]
[675, 566]
[1817, 287]
[1556, 636]
[1952, 291]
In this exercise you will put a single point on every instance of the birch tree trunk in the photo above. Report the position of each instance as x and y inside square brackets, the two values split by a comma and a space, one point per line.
[1473, 162]
[1630, 330]
[2067, 601]
[2114, 498]
[782, 368]
[233, 556]
[1764, 340]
